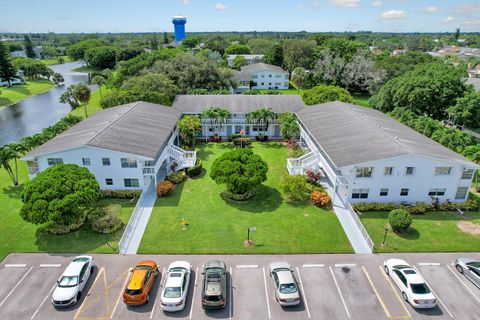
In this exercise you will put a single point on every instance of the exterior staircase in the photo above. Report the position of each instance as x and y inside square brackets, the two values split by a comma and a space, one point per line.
[183, 158]
[298, 166]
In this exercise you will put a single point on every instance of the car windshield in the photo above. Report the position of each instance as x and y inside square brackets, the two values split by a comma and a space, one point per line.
[142, 267]
[68, 281]
[172, 292]
[419, 288]
[474, 264]
[287, 288]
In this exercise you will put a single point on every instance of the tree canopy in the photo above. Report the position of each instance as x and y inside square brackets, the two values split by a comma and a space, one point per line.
[7, 70]
[101, 57]
[322, 94]
[57, 197]
[238, 49]
[466, 110]
[240, 170]
[77, 51]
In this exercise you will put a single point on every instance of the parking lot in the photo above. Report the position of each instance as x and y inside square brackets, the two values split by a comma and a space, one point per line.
[332, 287]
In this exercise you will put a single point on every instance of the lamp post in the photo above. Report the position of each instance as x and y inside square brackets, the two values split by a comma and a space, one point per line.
[384, 237]
[250, 242]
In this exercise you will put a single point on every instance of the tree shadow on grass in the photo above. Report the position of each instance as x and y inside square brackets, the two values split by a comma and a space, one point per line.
[13, 192]
[5, 101]
[410, 234]
[173, 199]
[22, 90]
[267, 199]
[272, 145]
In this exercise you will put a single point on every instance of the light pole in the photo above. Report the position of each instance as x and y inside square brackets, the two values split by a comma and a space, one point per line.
[384, 237]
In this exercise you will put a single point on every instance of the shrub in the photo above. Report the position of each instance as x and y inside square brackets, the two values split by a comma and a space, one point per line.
[296, 153]
[195, 170]
[295, 188]
[234, 136]
[447, 206]
[177, 177]
[107, 220]
[321, 199]
[242, 142]
[312, 187]
[313, 176]
[469, 205]
[261, 137]
[228, 195]
[400, 220]
[64, 229]
[122, 194]
[164, 188]
[375, 206]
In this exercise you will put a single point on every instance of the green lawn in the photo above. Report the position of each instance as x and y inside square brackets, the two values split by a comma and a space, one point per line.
[16, 93]
[16, 235]
[217, 227]
[88, 69]
[431, 232]
[49, 62]
[92, 106]
[361, 99]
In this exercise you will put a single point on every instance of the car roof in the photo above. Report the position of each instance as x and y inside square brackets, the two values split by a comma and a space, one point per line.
[137, 279]
[285, 276]
[175, 279]
[179, 264]
[74, 268]
[214, 264]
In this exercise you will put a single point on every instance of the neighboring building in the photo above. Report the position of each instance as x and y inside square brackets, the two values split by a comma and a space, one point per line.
[398, 52]
[368, 156]
[261, 76]
[179, 26]
[460, 52]
[251, 58]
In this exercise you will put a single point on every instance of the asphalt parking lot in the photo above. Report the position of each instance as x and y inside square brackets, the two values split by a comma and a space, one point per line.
[332, 287]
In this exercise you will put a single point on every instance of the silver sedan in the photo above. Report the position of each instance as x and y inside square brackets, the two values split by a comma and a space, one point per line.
[286, 288]
[470, 268]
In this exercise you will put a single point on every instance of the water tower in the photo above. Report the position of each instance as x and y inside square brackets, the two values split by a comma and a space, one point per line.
[179, 23]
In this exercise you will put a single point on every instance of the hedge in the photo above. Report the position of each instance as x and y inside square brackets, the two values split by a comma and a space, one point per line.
[177, 177]
[417, 207]
[123, 194]
[196, 170]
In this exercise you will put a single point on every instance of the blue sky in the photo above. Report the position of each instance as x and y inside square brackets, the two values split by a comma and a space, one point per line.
[239, 15]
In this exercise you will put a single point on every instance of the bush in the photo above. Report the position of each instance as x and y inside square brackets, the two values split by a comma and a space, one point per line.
[228, 195]
[242, 142]
[469, 205]
[419, 208]
[164, 188]
[400, 220]
[321, 199]
[64, 229]
[234, 136]
[375, 206]
[107, 220]
[177, 177]
[296, 153]
[122, 194]
[312, 187]
[261, 138]
[295, 188]
[196, 170]
[313, 176]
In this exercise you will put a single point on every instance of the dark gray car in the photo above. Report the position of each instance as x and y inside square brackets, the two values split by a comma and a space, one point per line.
[214, 288]
[470, 268]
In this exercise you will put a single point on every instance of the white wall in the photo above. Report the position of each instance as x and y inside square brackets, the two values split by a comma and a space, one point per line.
[277, 79]
[419, 184]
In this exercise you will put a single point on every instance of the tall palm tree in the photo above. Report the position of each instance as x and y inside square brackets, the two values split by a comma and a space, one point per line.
[8, 153]
[266, 115]
[100, 81]
[188, 128]
[68, 97]
[222, 116]
[81, 93]
[210, 115]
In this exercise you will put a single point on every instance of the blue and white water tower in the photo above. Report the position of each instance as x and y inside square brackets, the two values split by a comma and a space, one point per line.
[179, 23]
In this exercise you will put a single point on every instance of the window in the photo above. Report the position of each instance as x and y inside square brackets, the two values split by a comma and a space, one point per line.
[83, 271]
[467, 174]
[436, 192]
[149, 163]
[404, 192]
[409, 171]
[286, 84]
[278, 76]
[360, 193]
[254, 76]
[263, 76]
[109, 181]
[363, 172]
[286, 76]
[269, 83]
[442, 171]
[129, 163]
[388, 171]
[383, 192]
[461, 193]
[106, 161]
[131, 183]
[86, 161]
[278, 83]
[263, 83]
[269, 75]
[54, 161]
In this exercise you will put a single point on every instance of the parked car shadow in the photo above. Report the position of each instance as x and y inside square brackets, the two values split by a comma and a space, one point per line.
[430, 312]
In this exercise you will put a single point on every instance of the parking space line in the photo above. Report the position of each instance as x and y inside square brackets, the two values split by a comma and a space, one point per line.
[428, 264]
[463, 283]
[313, 265]
[51, 265]
[266, 293]
[247, 266]
[231, 294]
[45, 299]
[303, 293]
[376, 292]
[88, 293]
[15, 265]
[436, 295]
[18, 283]
[194, 289]
[121, 291]
[155, 303]
[339, 292]
[107, 303]
[395, 292]
[341, 265]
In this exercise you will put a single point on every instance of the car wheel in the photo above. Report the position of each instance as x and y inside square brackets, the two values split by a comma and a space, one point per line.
[386, 269]
[92, 269]
[404, 295]
[459, 268]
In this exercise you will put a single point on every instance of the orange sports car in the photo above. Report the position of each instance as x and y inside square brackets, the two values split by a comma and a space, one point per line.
[141, 281]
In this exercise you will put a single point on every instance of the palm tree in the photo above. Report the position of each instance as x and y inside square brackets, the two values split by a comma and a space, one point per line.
[100, 81]
[222, 116]
[9, 152]
[210, 116]
[266, 115]
[81, 93]
[299, 75]
[68, 97]
[189, 127]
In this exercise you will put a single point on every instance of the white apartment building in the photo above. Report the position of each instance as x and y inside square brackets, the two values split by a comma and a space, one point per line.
[261, 76]
[251, 58]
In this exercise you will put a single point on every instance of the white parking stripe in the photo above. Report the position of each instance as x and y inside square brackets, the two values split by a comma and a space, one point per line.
[15, 265]
[45, 299]
[18, 283]
[436, 295]
[303, 293]
[231, 294]
[341, 265]
[428, 264]
[194, 289]
[52, 265]
[339, 292]
[266, 293]
[247, 266]
[155, 303]
[463, 283]
[312, 265]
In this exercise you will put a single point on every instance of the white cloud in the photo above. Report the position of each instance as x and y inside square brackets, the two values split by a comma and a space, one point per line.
[472, 22]
[185, 2]
[300, 5]
[316, 3]
[467, 8]
[345, 3]
[448, 19]
[430, 10]
[377, 3]
[220, 7]
[393, 14]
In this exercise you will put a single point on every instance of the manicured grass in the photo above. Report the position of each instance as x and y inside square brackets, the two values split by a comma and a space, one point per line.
[286, 91]
[49, 62]
[92, 106]
[431, 232]
[361, 99]
[218, 226]
[88, 69]
[16, 235]
[16, 93]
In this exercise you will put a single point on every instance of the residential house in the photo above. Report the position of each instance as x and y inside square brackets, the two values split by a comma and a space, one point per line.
[261, 76]
[251, 58]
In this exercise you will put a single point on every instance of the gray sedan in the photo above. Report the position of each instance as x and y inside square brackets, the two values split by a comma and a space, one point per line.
[286, 289]
[470, 268]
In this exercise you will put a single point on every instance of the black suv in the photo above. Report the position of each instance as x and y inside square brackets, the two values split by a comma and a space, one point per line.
[214, 288]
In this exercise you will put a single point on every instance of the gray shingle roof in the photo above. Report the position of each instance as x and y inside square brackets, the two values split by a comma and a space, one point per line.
[256, 67]
[351, 135]
[138, 128]
[237, 102]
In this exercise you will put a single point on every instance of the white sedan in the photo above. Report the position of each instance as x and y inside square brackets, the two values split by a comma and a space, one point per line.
[72, 282]
[412, 285]
[175, 289]
[286, 288]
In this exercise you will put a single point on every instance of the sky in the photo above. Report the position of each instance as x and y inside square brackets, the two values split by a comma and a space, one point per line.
[64, 16]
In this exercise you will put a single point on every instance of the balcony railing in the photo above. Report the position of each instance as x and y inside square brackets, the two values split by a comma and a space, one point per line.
[235, 122]
[148, 170]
